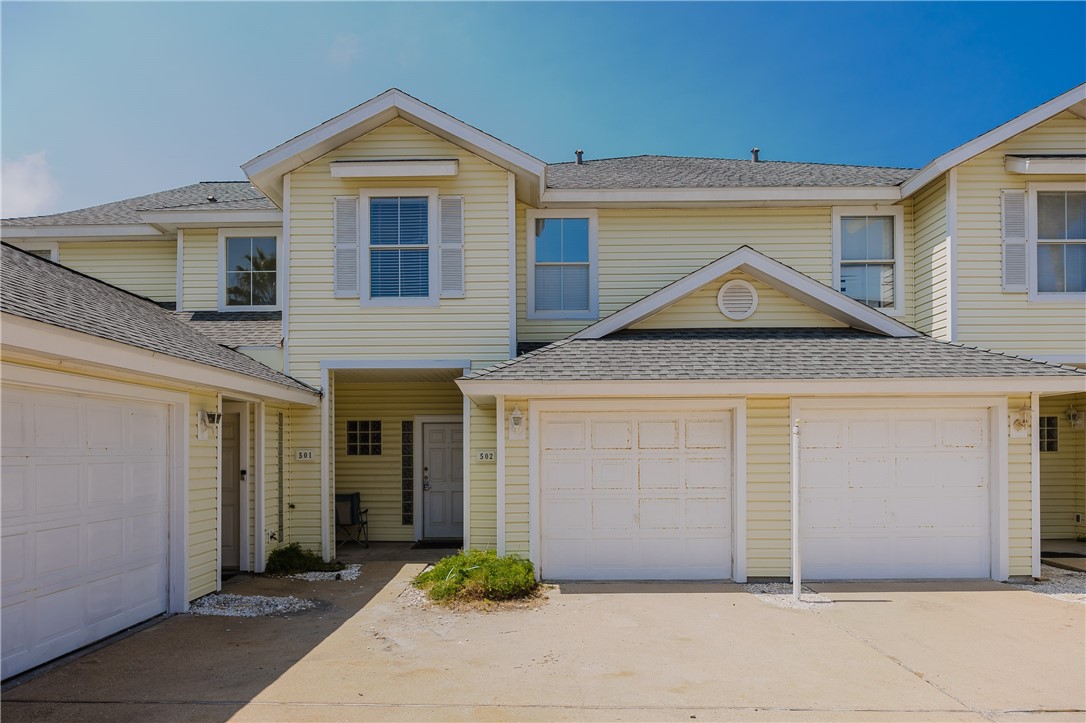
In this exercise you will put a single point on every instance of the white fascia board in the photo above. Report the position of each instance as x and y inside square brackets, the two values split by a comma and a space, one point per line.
[1027, 165]
[992, 138]
[663, 197]
[44, 340]
[266, 170]
[332, 364]
[208, 218]
[773, 273]
[117, 232]
[481, 390]
[395, 168]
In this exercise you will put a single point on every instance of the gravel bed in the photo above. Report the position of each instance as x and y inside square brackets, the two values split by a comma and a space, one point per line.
[248, 606]
[351, 572]
[1066, 585]
[779, 595]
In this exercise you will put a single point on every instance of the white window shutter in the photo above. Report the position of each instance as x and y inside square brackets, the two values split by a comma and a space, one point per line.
[451, 209]
[1015, 248]
[345, 227]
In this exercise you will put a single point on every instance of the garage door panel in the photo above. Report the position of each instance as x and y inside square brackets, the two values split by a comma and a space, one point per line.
[566, 474]
[658, 498]
[916, 507]
[563, 435]
[85, 521]
[821, 434]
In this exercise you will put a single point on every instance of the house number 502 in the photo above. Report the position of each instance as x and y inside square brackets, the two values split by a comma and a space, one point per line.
[485, 455]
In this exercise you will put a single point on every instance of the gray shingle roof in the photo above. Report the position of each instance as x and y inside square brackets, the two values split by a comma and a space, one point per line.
[237, 328]
[682, 172]
[36, 289]
[236, 195]
[723, 354]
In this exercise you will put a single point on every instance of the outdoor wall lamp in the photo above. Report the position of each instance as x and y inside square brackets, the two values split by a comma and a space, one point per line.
[516, 423]
[207, 422]
[1075, 417]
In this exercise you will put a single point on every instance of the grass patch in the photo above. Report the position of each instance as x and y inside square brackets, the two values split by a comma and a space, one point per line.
[477, 575]
[292, 560]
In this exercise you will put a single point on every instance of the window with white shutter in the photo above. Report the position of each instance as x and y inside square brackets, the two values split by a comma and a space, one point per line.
[451, 209]
[1015, 248]
[562, 271]
[399, 254]
[1057, 232]
[346, 246]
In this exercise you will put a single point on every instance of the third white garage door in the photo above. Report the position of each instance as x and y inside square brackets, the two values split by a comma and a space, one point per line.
[895, 493]
[636, 495]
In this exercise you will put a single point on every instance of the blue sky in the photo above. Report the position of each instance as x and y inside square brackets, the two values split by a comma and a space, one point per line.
[102, 101]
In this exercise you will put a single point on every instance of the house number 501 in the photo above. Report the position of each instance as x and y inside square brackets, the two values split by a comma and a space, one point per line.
[485, 455]
[305, 455]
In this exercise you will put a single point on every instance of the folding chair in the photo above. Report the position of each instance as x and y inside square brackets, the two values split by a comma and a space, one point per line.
[351, 519]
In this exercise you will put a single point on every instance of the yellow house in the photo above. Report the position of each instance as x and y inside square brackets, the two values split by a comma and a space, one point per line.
[644, 367]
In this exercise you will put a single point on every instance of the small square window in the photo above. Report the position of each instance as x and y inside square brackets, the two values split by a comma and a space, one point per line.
[1049, 434]
[363, 437]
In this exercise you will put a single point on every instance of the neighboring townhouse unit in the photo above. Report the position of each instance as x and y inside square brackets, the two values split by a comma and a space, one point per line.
[726, 366]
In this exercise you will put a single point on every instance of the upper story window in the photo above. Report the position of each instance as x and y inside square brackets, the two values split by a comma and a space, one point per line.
[867, 256]
[1061, 241]
[248, 270]
[399, 247]
[562, 269]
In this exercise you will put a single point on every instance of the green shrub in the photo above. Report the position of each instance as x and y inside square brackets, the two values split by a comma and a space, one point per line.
[292, 559]
[478, 575]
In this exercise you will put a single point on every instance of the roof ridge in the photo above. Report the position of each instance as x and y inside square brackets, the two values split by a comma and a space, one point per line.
[737, 160]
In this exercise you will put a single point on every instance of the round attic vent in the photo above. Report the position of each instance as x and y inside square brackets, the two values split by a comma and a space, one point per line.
[737, 299]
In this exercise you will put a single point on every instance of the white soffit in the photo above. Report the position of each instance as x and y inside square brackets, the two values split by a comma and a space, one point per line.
[266, 171]
[772, 273]
[87, 232]
[1045, 164]
[1073, 100]
[745, 197]
[395, 168]
[170, 221]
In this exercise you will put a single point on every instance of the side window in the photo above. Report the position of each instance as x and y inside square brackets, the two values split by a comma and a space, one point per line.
[249, 274]
[562, 274]
[867, 252]
[1048, 439]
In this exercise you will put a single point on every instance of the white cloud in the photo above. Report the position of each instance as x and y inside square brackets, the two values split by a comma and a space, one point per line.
[344, 49]
[27, 187]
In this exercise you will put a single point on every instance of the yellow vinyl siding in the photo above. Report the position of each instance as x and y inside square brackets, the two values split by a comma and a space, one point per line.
[484, 479]
[932, 265]
[1063, 472]
[272, 472]
[200, 270]
[1019, 496]
[769, 487]
[700, 310]
[266, 355]
[516, 487]
[988, 317]
[324, 327]
[643, 250]
[303, 484]
[203, 556]
[378, 477]
[147, 268]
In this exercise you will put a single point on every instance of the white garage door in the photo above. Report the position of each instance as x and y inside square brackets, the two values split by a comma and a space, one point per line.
[635, 495]
[84, 511]
[895, 494]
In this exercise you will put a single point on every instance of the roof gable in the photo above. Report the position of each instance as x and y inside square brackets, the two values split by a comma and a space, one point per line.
[785, 279]
[266, 171]
[1073, 100]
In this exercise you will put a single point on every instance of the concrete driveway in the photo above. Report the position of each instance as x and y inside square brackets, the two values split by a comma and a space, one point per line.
[653, 652]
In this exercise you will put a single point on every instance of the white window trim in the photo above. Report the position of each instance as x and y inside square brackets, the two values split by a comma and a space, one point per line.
[51, 246]
[264, 232]
[898, 214]
[593, 312]
[433, 243]
[1032, 241]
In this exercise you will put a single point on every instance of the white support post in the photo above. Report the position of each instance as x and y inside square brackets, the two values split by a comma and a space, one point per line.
[326, 407]
[797, 583]
[1035, 480]
[499, 411]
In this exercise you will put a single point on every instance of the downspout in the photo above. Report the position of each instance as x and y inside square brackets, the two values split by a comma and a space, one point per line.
[797, 584]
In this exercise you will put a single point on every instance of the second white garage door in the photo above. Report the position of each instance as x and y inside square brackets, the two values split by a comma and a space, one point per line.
[636, 495]
[895, 493]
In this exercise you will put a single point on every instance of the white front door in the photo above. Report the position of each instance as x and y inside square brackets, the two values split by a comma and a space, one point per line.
[443, 480]
[894, 493]
[231, 490]
[85, 523]
[636, 495]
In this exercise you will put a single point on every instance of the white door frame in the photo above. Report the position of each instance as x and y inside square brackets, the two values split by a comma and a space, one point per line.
[244, 485]
[736, 406]
[998, 493]
[418, 421]
[177, 469]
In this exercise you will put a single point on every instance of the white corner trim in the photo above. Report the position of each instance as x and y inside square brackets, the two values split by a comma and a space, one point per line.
[898, 214]
[284, 274]
[593, 311]
[395, 168]
[773, 273]
[466, 415]
[739, 475]
[260, 522]
[180, 302]
[952, 252]
[327, 451]
[992, 138]
[218, 497]
[499, 422]
[1050, 166]
[266, 232]
[511, 183]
